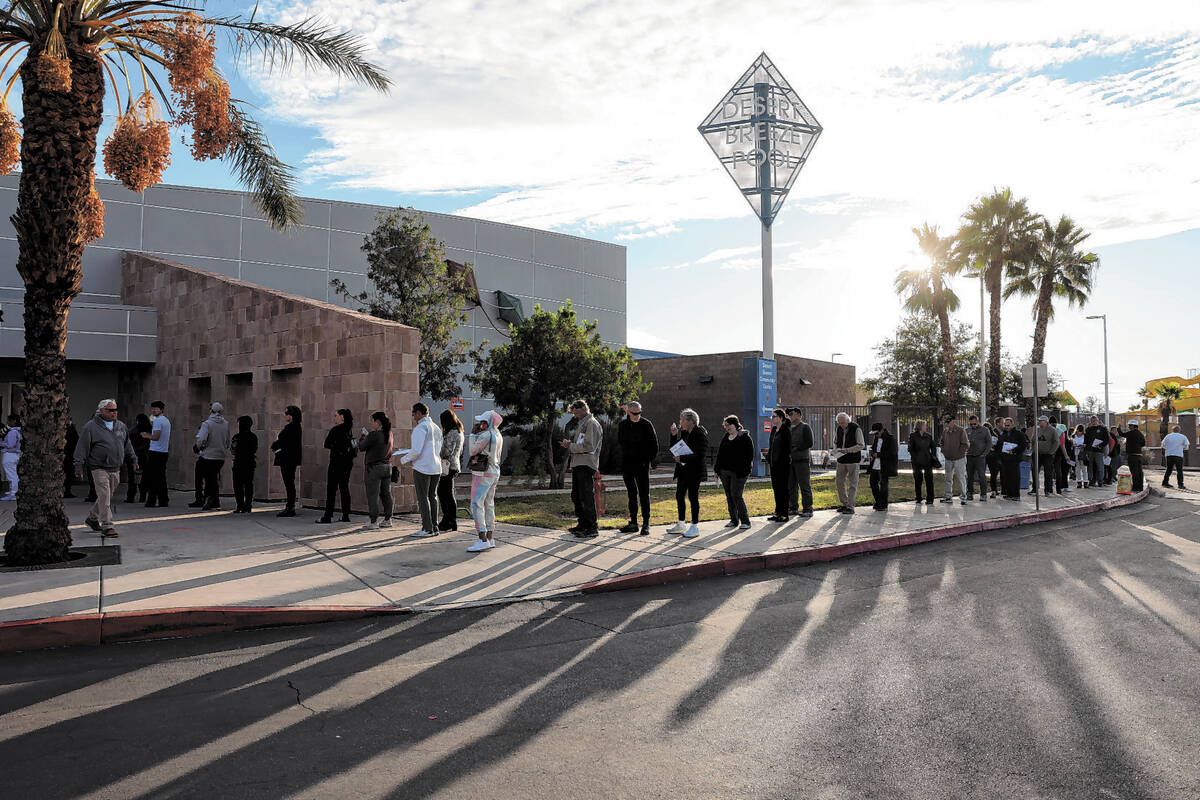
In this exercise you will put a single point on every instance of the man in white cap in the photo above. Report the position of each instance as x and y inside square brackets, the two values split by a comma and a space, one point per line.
[212, 446]
[1135, 441]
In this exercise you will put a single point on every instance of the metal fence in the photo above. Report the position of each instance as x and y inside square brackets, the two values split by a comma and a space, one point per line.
[822, 420]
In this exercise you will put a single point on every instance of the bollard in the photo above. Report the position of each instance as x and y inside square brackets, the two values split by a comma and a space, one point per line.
[1124, 480]
[598, 489]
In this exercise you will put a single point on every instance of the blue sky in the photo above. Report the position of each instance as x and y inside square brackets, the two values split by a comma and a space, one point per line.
[581, 117]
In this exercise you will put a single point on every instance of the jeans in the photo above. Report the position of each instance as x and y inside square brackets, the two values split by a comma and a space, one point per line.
[1135, 472]
[879, 488]
[154, 478]
[1174, 463]
[210, 473]
[1095, 461]
[956, 467]
[337, 481]
[243, 485]
[781, 480]
[977, 473]
[483, 500]
[426, 486]
[847, 483]
[583, 495]
[801, 484]
[379, 490]
[734, 486]
[288, 473]
[1048, 469]
[637, 486]
[689, 488]
[106, 492]
[923, 475]
[447, 501]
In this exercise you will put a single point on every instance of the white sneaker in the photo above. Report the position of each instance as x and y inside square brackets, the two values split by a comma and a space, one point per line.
[491, 544]
[422, 534]
[678, 527]
[479, 546]
[385, 523]
[744, 526]
[8, 497]
[691, 532]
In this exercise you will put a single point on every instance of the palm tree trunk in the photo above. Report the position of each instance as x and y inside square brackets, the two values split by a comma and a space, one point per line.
[993, 369]
[948, 361]
[58, 154]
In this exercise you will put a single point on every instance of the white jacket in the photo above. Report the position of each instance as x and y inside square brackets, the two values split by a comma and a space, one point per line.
[426, 452]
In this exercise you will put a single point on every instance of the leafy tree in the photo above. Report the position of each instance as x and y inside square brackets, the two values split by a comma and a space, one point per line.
[998, 232]
[411, 284]
[552, 359]
[69, 55]
[1012, 388]
[908, 366]
[925, 291]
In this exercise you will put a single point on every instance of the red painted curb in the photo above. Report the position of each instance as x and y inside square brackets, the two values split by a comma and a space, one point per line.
[809, 555]
[169, 623]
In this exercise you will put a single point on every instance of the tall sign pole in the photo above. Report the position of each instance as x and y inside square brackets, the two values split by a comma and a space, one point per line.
[762, 133]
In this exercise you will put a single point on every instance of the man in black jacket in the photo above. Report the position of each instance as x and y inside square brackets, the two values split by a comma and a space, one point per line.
[1095, 448]
[800, 487]
[779, 457]
[1134, 442]
[1011, 444]
[884, 455]
[639, 450]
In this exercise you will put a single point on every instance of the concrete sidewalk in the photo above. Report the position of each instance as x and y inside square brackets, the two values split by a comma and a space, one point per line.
[183, 571]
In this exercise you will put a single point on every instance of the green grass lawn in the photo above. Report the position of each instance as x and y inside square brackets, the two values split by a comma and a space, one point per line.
[555, 510]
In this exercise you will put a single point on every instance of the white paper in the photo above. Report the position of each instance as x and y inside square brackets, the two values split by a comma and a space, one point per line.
[403, 452]
[1107, 461]
[1097, 444]
[1008, 447]
[681, 449]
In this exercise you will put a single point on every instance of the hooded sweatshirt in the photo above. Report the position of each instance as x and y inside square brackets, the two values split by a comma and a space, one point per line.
[101, 448]
[489, 441]
[213, 438]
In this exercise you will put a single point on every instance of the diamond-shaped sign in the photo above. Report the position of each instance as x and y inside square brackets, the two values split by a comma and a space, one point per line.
[762, 133]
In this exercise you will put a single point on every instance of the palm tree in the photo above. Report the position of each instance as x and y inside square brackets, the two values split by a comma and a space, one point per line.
[997, 232]
[926, 291]
[68, 55]
[1146, 396]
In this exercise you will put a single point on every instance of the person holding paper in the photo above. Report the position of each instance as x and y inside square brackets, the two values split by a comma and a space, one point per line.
[1046, 441]
[691, 470]
[1010, 445]
[848, 443]
[884, 455]
[955, 445]
[425, 455]
[779, 456]
[1095, 448]
[922, 452]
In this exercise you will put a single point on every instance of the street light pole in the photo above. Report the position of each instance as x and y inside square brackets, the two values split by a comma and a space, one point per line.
[1104, 318]
[983, 406]
[835, 355]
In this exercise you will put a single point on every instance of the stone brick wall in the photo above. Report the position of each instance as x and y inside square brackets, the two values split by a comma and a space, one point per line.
[257, 350]
[677, 386]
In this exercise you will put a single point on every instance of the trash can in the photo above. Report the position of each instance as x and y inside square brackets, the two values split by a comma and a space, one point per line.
[1026, 471]
[1124, 480]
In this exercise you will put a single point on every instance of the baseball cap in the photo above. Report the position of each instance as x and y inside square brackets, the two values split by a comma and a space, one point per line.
[216, 408]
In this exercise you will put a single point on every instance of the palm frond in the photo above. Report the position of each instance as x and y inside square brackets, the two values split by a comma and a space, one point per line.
[260, 169]
[310, 41]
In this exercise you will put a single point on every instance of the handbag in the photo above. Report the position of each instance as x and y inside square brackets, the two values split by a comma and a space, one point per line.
[479, 461]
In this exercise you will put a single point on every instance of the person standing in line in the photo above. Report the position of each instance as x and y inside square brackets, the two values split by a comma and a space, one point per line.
[690, 471]
[103, 446]
[244, 449]
[1134, 443]
[425, 455]
[1062, 457]
[922, 453]
[584, 449]
[154, 473]
[486, 447]
[993, 458]
[212, 447]
[779, 456]
[979, 444]
[1114, 454]
[1095, 448]
[10, 447]
[68, 463]
[139, 437]
[452, 447]
[800, 498]
[1173, 444]
[1079, 456]
[735, 457]
[343, 449]
[639, 452]
[1046, 442]
[848, 443]
[287, 448]
[884, 457]
[1011, 445]
[376, 445]
[955, 445]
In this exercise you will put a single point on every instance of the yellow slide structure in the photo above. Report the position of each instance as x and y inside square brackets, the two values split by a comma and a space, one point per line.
[1191, 396]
